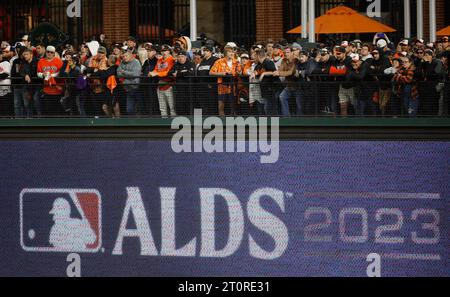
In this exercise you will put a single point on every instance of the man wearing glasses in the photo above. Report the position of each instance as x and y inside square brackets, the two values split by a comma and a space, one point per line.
[48, 69]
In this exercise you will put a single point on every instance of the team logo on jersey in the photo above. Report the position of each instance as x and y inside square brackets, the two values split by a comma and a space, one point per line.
[60, 220]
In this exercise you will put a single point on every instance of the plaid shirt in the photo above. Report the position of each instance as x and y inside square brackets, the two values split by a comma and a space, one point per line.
[406, 77]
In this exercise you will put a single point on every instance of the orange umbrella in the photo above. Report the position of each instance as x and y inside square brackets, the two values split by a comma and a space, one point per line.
[444, 32]
[342, 19]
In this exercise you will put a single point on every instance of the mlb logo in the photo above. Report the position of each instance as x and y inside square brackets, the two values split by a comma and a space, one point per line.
[60, 220]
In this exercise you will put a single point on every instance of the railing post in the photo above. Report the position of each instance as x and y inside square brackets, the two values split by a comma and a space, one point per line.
[304, 17]
[312, 21]
[407, 17]
[420, 19]
[432, 20]
[193, 9]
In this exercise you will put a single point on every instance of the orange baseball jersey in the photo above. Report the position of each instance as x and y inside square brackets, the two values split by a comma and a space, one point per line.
[53, 66]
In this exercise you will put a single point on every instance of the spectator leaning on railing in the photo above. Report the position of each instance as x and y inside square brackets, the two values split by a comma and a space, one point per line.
[207, 92]
[48, 69]
[243, 80]
[433, 75]
[111, 103]
[17, 85]
[270, 84]
[28, 94]
[96, 63]
[165, 86]
[407, 87]
[379, 64]
[288, 70]
[308, 67]
[130, 69]
[5, 85]
[150, 94]
[228, 68]
[338, 69]
[76, 91]
[358, 75]
[183, 71]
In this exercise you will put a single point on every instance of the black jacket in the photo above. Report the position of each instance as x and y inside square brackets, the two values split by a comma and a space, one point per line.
[29, 69]
[204, 69]
[183, 71]
[360, 79]
[433, 71]
[15, 75]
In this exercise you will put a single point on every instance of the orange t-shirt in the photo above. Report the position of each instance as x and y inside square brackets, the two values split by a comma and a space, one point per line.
[54, 66]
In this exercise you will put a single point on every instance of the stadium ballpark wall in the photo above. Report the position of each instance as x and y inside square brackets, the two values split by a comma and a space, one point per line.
[135, 208]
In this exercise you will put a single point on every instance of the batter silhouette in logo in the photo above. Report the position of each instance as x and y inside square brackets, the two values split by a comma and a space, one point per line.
[68, 233]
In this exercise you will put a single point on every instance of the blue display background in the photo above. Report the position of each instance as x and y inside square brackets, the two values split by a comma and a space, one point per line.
[303, 168]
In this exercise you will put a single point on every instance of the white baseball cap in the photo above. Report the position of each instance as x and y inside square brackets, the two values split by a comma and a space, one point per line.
[5, 44]
[50, 48]
[355, 57]
[381, 43]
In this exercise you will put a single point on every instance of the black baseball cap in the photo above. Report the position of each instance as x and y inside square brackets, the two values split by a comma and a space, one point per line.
[429, 52]
[278, 46]
[165, 48]
[208, 48]
[340, 49]
[304, 53]
[197, 53]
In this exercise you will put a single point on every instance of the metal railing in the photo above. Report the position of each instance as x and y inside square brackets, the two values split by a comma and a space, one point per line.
[320, 96]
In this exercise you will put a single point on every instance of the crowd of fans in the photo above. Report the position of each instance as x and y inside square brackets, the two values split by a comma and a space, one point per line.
[379, 78]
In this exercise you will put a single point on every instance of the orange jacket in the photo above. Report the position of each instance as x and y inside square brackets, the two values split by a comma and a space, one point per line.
[163, 68]
[220, 66]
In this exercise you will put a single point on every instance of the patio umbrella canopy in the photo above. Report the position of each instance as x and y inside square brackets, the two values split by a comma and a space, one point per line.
[444, 32]
[342, 19]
